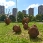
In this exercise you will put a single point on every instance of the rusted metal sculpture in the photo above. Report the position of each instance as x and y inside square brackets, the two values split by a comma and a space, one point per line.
[7, 21]
[16, 29]
[33, 31]
[25, 26]
[25, 20]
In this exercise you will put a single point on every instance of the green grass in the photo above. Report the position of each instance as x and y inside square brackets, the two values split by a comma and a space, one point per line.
[8, 36]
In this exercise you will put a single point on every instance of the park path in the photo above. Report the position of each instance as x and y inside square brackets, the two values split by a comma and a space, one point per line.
[40, 22]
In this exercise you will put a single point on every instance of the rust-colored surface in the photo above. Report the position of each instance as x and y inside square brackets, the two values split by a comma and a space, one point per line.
[33, 31]
[25, 26]
[7, 21]
[16, 29]
[25, 20]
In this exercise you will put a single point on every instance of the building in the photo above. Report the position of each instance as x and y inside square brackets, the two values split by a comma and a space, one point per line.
[24, 11]
[2, 9]
[40, 9]
[31, 11]
[14, 12]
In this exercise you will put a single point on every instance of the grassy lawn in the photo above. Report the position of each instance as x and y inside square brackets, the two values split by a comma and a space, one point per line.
[8, 36]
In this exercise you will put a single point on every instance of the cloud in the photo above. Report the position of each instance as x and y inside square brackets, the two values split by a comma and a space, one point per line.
[7, 4]
[32, 6]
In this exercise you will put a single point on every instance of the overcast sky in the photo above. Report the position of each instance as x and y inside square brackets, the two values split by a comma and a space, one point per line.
[22, 4]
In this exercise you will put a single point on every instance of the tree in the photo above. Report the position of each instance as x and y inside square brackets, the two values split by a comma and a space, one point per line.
[38, 17]
[12, 18]
[31, 17]
[25, 15]
[42, 17]
[2, 17]
[20, 16]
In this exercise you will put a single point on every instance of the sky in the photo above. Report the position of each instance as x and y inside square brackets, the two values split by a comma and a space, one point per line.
[21, 5]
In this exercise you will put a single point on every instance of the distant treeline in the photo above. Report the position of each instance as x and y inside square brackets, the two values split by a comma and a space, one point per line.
[20, 16]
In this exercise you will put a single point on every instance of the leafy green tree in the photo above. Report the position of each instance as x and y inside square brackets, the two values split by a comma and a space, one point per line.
[39, 17]
[25, 15]
[2, 17]
[42, 17]
[31, 17]
[13, 19]
[20, 16]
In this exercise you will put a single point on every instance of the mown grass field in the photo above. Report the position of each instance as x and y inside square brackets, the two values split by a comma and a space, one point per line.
[8, 36]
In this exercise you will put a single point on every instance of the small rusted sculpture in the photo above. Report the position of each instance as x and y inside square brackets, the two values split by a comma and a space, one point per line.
[25, 20]
[16, 29]
[25, 26]
[7, 21]
[33, 31]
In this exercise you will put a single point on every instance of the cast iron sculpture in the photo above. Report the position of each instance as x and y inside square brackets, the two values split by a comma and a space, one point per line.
[33, 31]
[16, 29]
[7, 21]
[25, 26]
[25, 20]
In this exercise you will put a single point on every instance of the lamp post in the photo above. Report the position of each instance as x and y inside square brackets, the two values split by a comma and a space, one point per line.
[8, 13]
[16, 12]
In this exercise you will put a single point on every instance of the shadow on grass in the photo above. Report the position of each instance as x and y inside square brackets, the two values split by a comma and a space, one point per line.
[18, 33]
[6, 24]
[37, 39]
